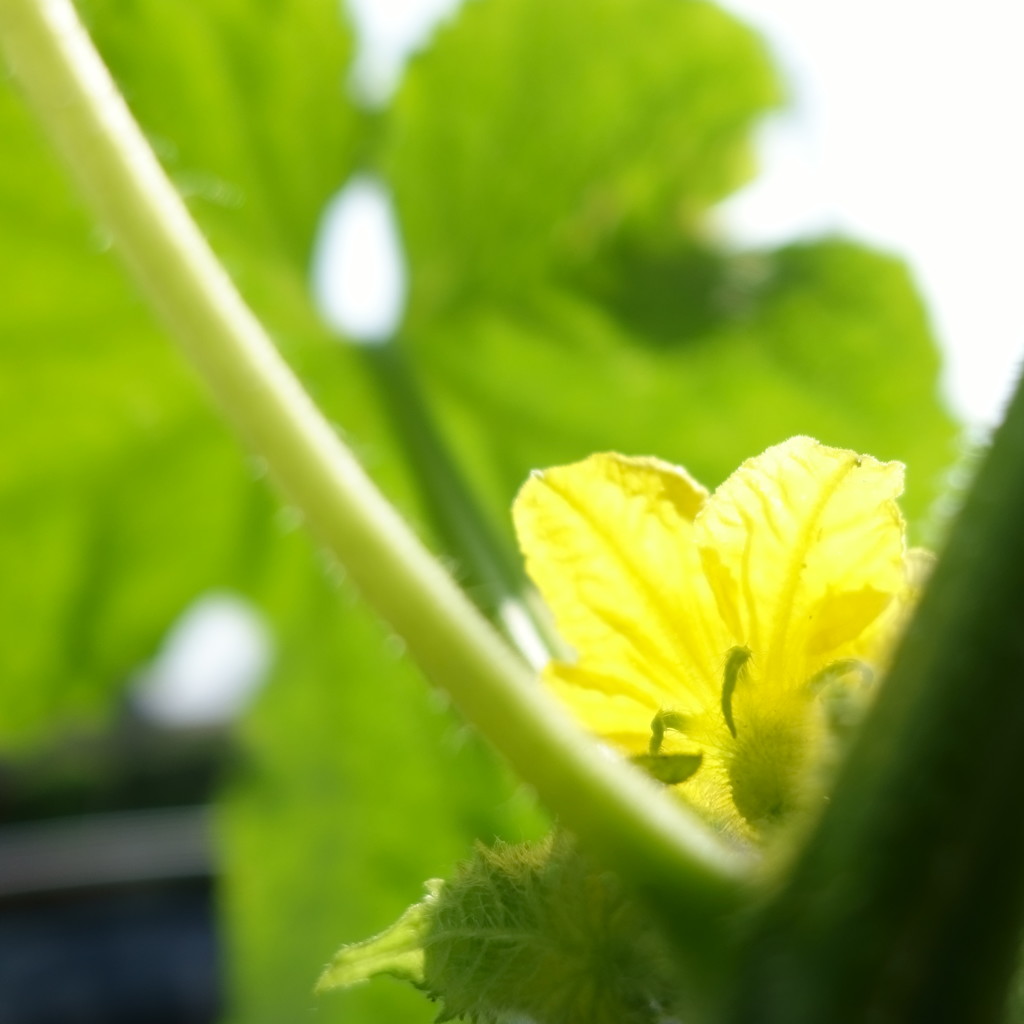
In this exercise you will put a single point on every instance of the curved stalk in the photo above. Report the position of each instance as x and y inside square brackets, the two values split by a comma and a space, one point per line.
[639, 829]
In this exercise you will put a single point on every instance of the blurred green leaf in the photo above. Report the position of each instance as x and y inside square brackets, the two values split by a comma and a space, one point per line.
[245, 104]
[121, 496]
[531, 134]
[90, 392]
[825, 338]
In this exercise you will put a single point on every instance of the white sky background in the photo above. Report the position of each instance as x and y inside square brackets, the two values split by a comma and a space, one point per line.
[904, 131]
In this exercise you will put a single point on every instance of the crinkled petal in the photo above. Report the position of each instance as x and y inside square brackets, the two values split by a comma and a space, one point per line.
[803, 549]
[602, 707]
[609, 542]
[877, 642]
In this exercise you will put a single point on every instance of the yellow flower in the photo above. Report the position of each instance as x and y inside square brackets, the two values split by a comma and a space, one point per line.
[721, 635]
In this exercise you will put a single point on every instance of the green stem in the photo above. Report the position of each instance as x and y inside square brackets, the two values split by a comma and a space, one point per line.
[907, 903]
[488, 573]
[639, 828]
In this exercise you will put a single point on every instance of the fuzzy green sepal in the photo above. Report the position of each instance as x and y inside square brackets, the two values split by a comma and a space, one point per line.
[535, 932]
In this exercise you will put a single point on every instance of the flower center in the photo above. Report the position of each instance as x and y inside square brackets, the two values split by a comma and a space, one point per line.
[777, 744]
[768, 767]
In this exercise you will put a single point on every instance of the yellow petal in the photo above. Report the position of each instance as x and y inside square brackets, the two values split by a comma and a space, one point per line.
[877, 643]
[803, 548]
[609, 542]
[601, 706]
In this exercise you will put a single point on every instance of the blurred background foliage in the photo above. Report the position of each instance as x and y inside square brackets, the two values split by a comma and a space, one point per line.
[554, 167]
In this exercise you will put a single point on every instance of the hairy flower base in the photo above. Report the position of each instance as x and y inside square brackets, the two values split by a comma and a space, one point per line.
[722, 640]
[533, 932]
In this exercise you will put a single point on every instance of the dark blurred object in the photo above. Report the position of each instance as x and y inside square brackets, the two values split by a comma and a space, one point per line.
[138, 953]
[107, 880]
[132, 766]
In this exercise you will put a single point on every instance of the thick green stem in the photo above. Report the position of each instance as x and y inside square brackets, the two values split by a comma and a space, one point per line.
[907, 904]
[639, 828]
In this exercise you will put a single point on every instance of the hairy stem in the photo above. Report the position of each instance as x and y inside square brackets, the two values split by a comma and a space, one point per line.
[638, 828]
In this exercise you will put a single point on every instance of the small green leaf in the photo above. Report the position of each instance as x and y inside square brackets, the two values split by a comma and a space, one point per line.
[397, 950]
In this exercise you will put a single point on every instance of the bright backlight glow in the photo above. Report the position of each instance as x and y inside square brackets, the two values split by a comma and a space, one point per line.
[359, 282]
[212, 661]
